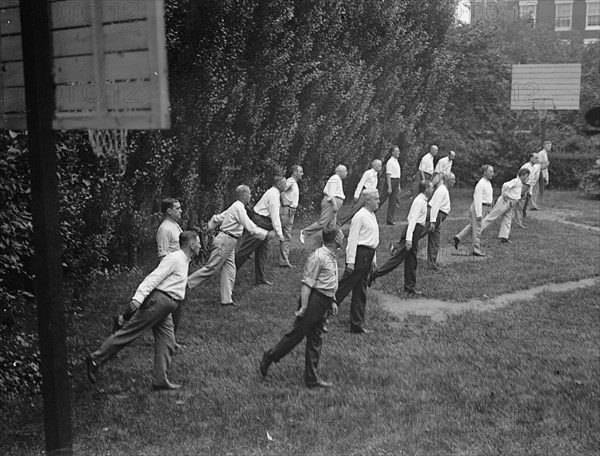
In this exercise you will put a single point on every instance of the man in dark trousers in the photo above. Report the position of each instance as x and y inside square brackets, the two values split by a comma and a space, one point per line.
[319, 284]
[266, 216]
[406, 250]
[151, 306]
[363, 240]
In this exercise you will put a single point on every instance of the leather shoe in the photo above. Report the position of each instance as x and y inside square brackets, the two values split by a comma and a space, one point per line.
[505, 241]
[166, 386]
[287, 265]
[116, 325]
[435, 267]
[227, 304]
[264, 364]
[456, 242]
[390, 223]
[479, 254]
[370, 279]
[264, 282]
[360, 330]
[412, 291]
[325, 329]
[92, 369]
[320, 384]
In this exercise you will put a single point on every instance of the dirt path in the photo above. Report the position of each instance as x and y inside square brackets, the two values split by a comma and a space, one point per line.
[438, 310]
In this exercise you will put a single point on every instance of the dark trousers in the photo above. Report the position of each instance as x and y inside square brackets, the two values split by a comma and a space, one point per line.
[409, 257]
[357, 283]
[249, 244]
[311, 327]
[433, 239]
[392, 197]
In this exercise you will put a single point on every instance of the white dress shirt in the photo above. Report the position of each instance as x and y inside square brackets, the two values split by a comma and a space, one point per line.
[484, 194]
[170, 276]
[268, 206]
[234, 220]
[534, 174]
[426, 164]
[440, 201]
[364, 230]
[291, 195]
[444, 166]
[167, 237]
[544, 162]
[417, 214]
[392, 167]
[334, 188]
[368, 180]
[512, 188]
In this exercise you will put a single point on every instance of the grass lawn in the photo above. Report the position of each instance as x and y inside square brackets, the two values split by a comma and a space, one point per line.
[522, 380]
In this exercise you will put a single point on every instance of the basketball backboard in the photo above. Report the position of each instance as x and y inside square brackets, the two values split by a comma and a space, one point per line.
[546, 86]
[110, 69]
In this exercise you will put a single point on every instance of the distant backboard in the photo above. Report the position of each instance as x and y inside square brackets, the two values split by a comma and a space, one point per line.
[110, 68]
[546, 86]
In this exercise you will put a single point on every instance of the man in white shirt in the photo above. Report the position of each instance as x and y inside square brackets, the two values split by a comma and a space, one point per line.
[369, 180]
[167, 235]
[443, 168]
[405, 251]
[504, 207]
[154, 301]
[232, 222]
[333, 198]
[544, 175]
[534, 174]
[289, 205]
[393, 173]
[363, 240]
[482, 201]
[266, 216]
[426, 168]
[439, 205]
[531, 199]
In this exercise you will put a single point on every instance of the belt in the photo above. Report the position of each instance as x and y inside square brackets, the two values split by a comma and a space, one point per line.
[445, 213]
[167, 295]
[486, 204]
[229, 234]
[367, 247]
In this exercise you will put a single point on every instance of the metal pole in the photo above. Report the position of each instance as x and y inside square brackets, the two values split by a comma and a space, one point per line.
[39, 95]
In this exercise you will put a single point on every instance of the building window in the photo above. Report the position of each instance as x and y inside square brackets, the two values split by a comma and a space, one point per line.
[528, 11]
[563, 15]
[592, 15]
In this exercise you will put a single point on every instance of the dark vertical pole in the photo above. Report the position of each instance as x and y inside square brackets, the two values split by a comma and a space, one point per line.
[39, 95]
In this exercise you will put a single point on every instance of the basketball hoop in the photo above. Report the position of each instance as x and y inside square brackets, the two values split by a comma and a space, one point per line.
[541, 105]
[110, 143]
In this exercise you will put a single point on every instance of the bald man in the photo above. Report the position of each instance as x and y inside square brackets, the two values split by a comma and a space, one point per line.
[333, 198]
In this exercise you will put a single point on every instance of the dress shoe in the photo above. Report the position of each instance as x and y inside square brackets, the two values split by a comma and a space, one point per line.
[320, 384]
[505, 241]
[479, 254]
[359, 330]
[92, 369]
[166, 386]
[520, 225]
[264, 282]
[390, 223]
[302, 237]
[264, 364]
[534, 209]
[412, 291]
[116, 325]
[435, 267]
[227, 304]
[287, 265]
[325, 329]
[370, 279]
[456, 242]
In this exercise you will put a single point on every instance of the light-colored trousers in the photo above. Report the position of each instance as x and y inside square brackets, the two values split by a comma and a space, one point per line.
[473, 229]
[503, 208]
[155, 313]
[286, 213]
[222, 258]
[328, 215]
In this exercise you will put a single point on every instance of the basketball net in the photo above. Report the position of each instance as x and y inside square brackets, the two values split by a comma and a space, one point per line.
[110, 143]
[541, 105]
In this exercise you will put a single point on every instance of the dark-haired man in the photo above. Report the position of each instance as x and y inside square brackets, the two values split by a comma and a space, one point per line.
[289, 205]
[319, 284]
[152, 304]
[405, 251]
